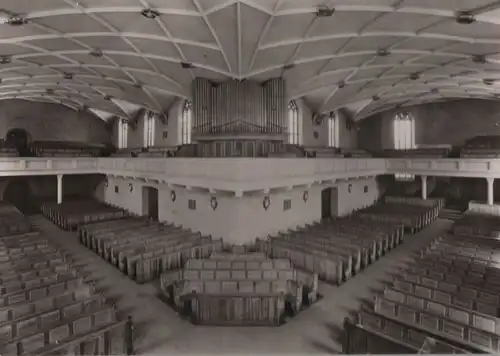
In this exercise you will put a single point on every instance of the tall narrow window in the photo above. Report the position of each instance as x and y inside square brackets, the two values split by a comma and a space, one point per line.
[122, 133]
[186, 118]
[149, 129]
[333, 130]
[404, 131]
[294, 127]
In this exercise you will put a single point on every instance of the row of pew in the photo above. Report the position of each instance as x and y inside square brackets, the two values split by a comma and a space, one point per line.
[47, 307]
[449, 294]
[338, 249]
[152, 152]
[417, 153]
[12, 221]
[143, 249]
[68, 215]
[239, 289]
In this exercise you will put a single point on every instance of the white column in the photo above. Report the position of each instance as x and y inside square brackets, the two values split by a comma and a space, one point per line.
[490, 190]
[59, 188]
[424, 187]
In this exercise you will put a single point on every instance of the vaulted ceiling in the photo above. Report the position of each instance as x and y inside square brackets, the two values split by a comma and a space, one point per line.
[362, 55]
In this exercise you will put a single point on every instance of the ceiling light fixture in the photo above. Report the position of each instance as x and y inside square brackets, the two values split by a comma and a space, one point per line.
[383, 52]
[479, 58]
[68, 76]
[434, 91]
[108, 97]
[288, 66]
[49, 91]
[5, 60]
[341, 84]
[489, 81]
[96, 53]
[187, 65]
[415, 76]
[150, 13]
[138, 85]
[465, 18]
[324, 11]
[16, 21]
[376, 98]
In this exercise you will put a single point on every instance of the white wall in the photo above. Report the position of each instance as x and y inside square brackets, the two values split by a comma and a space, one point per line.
[238, 220]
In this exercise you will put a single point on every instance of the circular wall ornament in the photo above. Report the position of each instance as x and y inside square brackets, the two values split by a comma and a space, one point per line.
[305, 196]
[214, 203]
[266, 202]
[131, 187]
[173, 196]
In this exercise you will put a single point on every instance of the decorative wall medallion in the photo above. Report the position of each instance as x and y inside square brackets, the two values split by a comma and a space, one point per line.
[316, 135]
[349, 188]
[305, 196]
[266, 202]
[173, 196]
[214, 203]
[130, 187]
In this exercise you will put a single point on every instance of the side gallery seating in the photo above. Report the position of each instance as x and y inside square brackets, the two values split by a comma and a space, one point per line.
[246, 289]
[70, 214]
[450, 293]
[417, 153]
[153, 152]
[338, 249]
[481, 147]
[8, 152]
[143, 249]
[46, 307]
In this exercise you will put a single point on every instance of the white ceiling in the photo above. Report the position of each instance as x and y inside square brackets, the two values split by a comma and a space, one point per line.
[252, 39]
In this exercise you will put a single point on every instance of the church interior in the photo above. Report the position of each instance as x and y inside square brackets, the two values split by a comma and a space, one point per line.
[249, 176]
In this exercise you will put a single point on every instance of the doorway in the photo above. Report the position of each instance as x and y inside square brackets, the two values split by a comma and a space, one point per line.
[18, 193]
[19, 139]
[326, 203]
[150, 202]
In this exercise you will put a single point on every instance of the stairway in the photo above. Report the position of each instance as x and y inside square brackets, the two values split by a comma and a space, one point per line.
[450, 214]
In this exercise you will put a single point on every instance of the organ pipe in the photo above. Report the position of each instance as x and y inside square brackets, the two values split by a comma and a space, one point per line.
[239, 107]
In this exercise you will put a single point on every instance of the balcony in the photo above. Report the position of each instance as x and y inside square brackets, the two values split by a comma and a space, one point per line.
[248, 174]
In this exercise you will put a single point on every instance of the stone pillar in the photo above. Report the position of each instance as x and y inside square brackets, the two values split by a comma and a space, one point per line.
[59, 188]
[424, 187]
[491, 192]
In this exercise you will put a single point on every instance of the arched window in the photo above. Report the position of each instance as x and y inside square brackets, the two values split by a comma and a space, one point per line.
[122, 133]
[186, 118]
[149, 129]
[404, 131]
[294, 129]
[333, 130]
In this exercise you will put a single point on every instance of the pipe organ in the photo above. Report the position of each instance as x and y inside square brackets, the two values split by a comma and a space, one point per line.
[239, 118]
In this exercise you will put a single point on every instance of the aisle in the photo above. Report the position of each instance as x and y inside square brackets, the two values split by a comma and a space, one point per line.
[315, 330]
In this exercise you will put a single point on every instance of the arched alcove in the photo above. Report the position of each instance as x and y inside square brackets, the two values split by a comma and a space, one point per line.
[18, 138]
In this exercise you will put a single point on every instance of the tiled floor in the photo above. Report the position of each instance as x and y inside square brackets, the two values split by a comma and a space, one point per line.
[315, 330]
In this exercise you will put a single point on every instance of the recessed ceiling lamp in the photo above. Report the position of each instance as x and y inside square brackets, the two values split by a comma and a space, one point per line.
[138, 85]
[383, 52]
[415, 76]
[465, 18]
[5, 60]
[96, 53]
[150, 13]
[187, 65]
[49, 91]
[489, 81]
[288, 66]
[479, 58]
[68, 76]
[108, 97]
[434, 91]
[376, 98]
[341, 84]
[324, 11]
